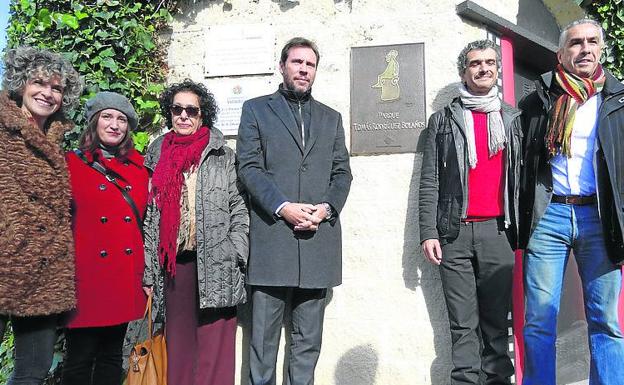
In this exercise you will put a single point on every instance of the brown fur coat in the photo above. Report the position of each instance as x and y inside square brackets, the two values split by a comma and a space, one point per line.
[36, 245]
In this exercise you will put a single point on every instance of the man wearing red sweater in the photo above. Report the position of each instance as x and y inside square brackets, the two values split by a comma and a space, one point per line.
[469, 214]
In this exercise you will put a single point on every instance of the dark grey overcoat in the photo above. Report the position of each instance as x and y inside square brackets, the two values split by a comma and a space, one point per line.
[274, 167]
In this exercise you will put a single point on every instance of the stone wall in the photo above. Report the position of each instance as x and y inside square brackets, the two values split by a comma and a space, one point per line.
[386, 324]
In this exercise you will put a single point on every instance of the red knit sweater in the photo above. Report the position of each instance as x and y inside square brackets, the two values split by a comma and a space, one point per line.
[486, 181]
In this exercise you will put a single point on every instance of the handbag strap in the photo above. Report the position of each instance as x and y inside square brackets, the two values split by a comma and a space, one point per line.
[148, 313]
[112, 177]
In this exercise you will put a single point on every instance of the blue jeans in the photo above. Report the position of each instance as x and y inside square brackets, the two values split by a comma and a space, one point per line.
[563, 228]
[34, 348]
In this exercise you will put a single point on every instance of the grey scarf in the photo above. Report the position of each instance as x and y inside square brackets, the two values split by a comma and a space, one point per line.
[490, 104]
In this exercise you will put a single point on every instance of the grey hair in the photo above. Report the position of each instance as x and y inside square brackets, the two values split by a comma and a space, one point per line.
[24, 63]
[480, 45]
[563, 36]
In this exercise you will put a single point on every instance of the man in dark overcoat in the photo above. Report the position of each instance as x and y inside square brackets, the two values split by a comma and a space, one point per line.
[295, 166]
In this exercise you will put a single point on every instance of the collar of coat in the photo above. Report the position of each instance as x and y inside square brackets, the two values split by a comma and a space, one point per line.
[217, 140]
[13, 120]
[133, 156]
[508, 112]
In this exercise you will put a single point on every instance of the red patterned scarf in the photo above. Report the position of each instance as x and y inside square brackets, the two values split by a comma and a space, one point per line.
[576, 91]
[178, 154]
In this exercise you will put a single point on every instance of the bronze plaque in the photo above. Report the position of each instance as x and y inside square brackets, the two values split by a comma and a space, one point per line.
[387, 98]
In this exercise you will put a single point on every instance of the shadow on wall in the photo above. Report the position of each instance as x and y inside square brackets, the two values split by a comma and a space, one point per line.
[243, 315]
[417, 272]
[358, 366]
[285, 5]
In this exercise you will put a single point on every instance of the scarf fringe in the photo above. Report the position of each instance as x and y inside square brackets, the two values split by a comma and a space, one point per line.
[491, 105]
[179, 154]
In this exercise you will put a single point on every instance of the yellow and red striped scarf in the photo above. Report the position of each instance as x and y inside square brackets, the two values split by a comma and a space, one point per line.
[561, 120]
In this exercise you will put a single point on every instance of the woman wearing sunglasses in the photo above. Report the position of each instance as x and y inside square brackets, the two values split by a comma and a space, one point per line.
[109, 194]
[196, 239]
[36, 243]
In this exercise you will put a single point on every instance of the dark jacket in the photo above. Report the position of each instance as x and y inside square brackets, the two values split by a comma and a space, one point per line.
[109, 245]
[536, 181]
[275, 167]
[443, 196]
[222, 228]
[36, 243]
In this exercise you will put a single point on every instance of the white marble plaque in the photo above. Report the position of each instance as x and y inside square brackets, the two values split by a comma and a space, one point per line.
[242, 49]
[230, 94]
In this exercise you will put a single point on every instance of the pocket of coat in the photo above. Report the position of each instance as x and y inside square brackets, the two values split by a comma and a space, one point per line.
[232, 254]
[444, 215]
[443, 140]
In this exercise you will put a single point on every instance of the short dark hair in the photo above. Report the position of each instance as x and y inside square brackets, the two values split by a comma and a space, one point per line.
[299, 42]
[207, 103]
[90, 140]
[480, 45]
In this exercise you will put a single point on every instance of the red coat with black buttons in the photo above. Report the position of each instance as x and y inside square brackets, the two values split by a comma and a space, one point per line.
[108, 242]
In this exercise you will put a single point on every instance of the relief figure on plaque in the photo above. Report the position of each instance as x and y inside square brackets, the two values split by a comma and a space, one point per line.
[388, 80]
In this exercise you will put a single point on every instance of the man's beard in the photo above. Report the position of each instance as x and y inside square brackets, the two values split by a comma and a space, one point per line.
[299, 93]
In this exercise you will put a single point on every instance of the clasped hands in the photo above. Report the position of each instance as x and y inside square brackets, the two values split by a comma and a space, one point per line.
[304, 216]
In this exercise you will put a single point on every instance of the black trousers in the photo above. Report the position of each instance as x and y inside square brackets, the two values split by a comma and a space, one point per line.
[94, 355]
[476, 272]
[34, 348]
[307, 307]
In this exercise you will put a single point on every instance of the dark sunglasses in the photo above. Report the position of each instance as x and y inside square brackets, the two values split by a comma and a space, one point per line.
[191, 111]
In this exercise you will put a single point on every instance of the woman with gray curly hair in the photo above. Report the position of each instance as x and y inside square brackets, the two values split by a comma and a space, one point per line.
[36, 245]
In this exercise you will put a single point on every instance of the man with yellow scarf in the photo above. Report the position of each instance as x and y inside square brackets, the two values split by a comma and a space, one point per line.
[572, 190]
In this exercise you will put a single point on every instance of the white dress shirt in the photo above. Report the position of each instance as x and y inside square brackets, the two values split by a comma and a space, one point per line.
[575, 175]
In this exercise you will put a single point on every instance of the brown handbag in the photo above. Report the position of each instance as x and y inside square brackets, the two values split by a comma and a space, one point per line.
[147, 364]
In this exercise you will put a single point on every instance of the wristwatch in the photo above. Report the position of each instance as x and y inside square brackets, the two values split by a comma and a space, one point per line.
[328, 210]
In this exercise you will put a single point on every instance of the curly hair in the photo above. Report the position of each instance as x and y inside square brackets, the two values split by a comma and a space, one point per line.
[479, 45]
[25, 63]
[207, 103]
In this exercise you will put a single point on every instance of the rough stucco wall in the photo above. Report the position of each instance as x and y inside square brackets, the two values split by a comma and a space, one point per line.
[564, 12]
[386, 324]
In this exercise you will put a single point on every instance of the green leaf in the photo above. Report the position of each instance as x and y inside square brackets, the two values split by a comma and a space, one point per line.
[70, 21]
[108, 52]
[110, 64]
[27, 7]
[140, 139]
[135, 7]
[146, 40]
[104, 84]
[103, 15]
[44, 18]
[80, 15]
[118, 86]
[155, 88]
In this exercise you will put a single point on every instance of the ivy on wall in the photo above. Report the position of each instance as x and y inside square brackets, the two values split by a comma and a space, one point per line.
[113, 44]
[610, 13]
